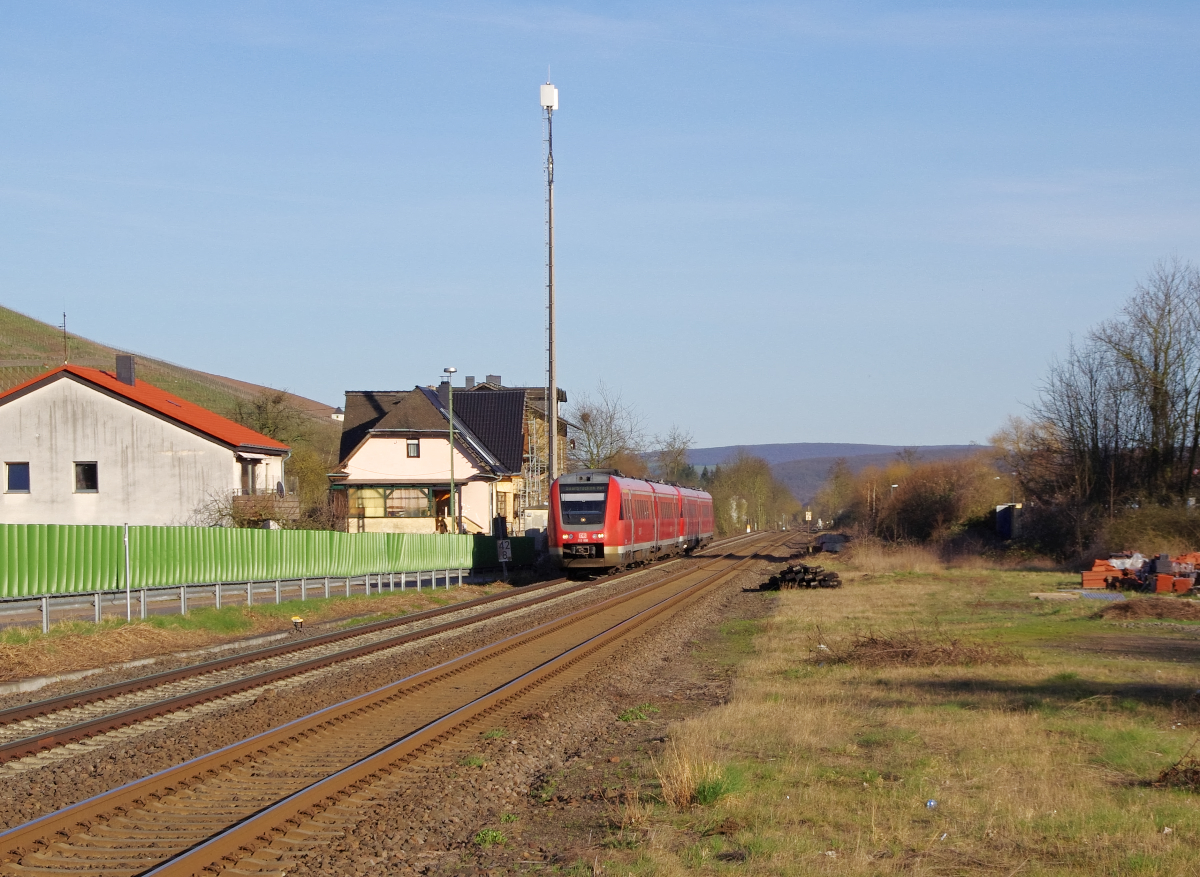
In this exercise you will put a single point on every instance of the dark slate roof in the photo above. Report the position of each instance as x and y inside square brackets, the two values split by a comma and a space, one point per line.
[497, 419]
[386, 409]
[493, 423]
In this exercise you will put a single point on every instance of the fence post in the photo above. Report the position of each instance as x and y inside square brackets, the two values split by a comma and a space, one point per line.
[277, 592]
[347, 586]
[45, 614]
[128, 600]
[249, 593]
[326, 587]
[183, 599]
[98, 607]
[391, 581]
[217, 595]
[460, 575]
[403, 581]
[142, 602]
[303, 589]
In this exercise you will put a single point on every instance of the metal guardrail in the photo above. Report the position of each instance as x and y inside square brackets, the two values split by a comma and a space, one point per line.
[139, 602]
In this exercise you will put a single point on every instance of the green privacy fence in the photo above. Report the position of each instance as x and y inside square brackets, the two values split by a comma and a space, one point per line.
[40, 559]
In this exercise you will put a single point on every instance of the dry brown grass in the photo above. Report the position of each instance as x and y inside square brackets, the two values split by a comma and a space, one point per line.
[875, 557]
[51, 655]
[635, 813]
[1030, 776]
[683, 772]
[1151, 607]
[74, 646]
[913, 649]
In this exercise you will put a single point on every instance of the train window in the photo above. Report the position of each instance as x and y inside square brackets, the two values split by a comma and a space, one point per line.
[582, 508]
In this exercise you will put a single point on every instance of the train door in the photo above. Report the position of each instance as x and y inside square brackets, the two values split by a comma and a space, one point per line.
[627, 523]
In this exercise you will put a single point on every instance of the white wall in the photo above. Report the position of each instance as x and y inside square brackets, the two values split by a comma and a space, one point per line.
[149, 471]
[381, 460]
[477, 504]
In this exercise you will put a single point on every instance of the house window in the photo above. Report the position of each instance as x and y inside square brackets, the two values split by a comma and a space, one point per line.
[414, 448]
[86, 478]
[502, 504]
[18, 477]
[408, 502]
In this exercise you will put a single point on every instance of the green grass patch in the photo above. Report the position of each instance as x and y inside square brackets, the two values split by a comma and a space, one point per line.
[489, 837]
[729, 780]
[638, 713]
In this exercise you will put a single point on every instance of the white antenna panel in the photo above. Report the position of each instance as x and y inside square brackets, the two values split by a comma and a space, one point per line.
[549, 97]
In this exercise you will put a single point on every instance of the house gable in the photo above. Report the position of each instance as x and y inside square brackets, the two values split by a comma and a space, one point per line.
[157, 402]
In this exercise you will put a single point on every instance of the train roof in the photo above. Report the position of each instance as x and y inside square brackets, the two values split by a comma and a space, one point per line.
[600, 476]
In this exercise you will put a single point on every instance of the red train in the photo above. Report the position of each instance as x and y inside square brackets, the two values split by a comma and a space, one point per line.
[601, 520]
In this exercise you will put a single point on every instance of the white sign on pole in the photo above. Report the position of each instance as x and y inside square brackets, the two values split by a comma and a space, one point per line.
[504, 550]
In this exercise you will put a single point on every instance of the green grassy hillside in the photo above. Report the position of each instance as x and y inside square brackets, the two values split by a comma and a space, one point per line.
[29, 347]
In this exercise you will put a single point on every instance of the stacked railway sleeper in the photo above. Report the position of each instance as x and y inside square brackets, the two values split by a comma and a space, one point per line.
[248, 806]
[801, 575]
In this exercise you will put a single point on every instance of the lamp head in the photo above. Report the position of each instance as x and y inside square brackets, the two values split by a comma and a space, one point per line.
[450, 370]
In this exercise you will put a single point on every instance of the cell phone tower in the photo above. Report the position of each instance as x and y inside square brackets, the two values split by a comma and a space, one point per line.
[549, 100]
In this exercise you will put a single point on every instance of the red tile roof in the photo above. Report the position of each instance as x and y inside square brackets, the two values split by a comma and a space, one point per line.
[161, 402]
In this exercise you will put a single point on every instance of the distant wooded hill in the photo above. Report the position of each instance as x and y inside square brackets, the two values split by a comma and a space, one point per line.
[29, 347]
[804, 466]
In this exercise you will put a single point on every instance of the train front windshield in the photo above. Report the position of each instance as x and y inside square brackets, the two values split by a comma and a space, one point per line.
[582, 508]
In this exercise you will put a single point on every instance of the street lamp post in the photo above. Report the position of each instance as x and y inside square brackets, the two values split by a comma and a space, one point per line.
[453, 498]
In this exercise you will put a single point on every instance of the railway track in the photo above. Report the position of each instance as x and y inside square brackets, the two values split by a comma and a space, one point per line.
[248, 807]
[47, 724]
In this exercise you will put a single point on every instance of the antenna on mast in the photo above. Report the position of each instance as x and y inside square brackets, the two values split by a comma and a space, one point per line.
[66, 343]
[549, 102]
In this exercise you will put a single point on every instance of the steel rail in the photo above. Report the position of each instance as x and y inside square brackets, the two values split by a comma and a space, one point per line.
[61, 736]
[39, 708]
[258, 830]
[43, 832]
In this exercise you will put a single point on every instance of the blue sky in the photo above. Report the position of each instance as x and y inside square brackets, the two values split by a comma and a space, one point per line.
[866, 222]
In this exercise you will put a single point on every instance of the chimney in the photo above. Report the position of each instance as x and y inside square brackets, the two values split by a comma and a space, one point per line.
[494, 379]
[127, 368]
[470, 381]
[444, 392]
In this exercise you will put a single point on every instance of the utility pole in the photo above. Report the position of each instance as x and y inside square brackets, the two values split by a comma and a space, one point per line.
[549, 99]
[454, 519]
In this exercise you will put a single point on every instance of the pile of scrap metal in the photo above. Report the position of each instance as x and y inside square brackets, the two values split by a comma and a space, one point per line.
[1128, 571]
[802, 576]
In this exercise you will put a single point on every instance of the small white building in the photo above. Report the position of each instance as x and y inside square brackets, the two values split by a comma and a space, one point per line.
[84, 446]
[395, 471]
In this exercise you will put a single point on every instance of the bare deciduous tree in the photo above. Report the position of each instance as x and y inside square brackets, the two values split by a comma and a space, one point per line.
[1118, 419]
[272, 413]
[609, 431]
[671, 455]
